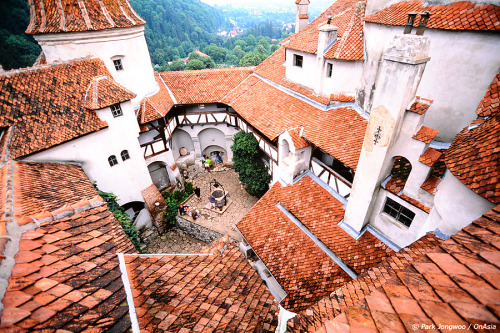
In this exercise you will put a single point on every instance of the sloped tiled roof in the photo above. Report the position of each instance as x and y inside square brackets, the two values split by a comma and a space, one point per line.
[155, 106]
[431, 184]
[298, 141]
[338, 132]
[454, 283]
[45, 105]
[420, 106]
[103, 91]
[204, 86]
[430, 156]
[461, 15]
[490, 104]
[73, 16]
[342, 98]
[347, 15]
[425, 134]
[303, 270]
[474, 158]
[216, 290]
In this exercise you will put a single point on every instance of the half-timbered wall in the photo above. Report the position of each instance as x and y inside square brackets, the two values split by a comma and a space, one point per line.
[330, 177]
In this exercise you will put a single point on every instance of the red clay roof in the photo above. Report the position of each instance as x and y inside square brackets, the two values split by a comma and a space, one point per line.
[454, 283]
[46, 104]
[103, 91]
[156, 106]
[338, 132]
[204, 86]
[302, 269]
[462, 15]
[298, 141]
[73, 16]
[431, 184]
[474, 158]
[347, 15]
[430, 156]
[490, 104]
[425, 134]
[421, 105]
[200, 292]
[342, 98]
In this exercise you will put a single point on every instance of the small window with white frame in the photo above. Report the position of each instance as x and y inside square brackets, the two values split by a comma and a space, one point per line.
[112, 160]
[298, 60]
[329, 70]
[118, 64]
[116, 110]
[398, 212]
[125, 155]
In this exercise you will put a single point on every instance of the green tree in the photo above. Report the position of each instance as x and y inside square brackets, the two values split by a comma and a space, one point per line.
[195, 64]
[208, 62]
[177, 65]
[248, 163]
[252, 59]
[238, 52]
[251, 40]
[217, 53]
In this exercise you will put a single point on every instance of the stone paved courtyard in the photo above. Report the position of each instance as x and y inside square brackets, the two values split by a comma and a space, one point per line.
[241, 202]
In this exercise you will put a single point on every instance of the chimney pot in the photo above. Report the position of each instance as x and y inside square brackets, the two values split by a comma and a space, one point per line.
[409, 22]
[424, 17]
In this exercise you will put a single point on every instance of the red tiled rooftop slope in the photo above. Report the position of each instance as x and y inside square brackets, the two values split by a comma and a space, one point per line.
[303, 270]
[347, 15]
[204, 86]
[474, 158]
[490, 104]
[156, 106]
[338, 132]
[461, 15]
[43, 187]
[455, 283]
[200, 292]
[104, 91]
[46, 104]
[66, 277]
[72, 16]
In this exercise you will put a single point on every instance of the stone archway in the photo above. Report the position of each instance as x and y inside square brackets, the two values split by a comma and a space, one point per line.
[181, 139]
[212, 137]
[159, 175]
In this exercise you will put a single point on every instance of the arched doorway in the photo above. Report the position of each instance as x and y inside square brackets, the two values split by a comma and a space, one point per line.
[212, 140]
[159, 175]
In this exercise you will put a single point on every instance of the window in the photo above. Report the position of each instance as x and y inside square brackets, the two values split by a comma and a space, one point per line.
[112, 160]
[329, 70]
[125, 155]
[400, 213]
[118, 64]
[297, 60]
[116, 110]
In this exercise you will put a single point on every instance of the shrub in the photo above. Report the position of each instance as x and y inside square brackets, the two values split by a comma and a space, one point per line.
[247, 163]
[171, 212]
[178, 196]
[188, 188]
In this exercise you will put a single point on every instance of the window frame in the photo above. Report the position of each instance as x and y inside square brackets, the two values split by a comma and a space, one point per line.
[298, 60]
[118, 63]
[398, 212]
[329, 70]
[125, 155]
[116, 110]
[112, 160]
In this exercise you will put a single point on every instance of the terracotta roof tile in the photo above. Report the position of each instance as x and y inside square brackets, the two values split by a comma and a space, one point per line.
[420, 106]
[474, 158]
[430, 156]
[89, 15]
[338, 132]
[342, 98]
[204, 86]
[460, 15]
[431, 184]
[490, 104]
[208, 291]
[347, 15]
[298, 141]
[425, 134]
[103, 91]
[44, 112]
[447, 284]
[305, 272]
[156, 106]
[416, 203]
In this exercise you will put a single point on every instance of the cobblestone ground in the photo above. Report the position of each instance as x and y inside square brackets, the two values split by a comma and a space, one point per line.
[174, 241]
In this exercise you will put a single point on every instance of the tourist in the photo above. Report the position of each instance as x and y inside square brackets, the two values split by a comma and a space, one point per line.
[211, 199]
[208, 163]
[197, 192]
[218, 157]
[183, 209]
[194, 213]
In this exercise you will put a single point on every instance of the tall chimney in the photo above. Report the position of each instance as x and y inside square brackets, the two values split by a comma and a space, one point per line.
[301, 17]
[327, 35]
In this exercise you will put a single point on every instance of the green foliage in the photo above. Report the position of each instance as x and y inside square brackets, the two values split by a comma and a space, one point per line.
[179, 196]
[177, 65]
[172, 209]
[122, 217]
[252, 59]
[247, 162]
[188, 188]
[195, 64]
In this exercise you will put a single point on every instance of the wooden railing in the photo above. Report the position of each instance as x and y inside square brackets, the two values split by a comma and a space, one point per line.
[330, 177]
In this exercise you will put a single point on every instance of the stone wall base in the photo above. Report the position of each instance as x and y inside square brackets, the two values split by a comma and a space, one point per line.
[197, 231]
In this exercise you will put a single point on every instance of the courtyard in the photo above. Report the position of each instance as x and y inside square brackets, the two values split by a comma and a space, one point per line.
[239, 203]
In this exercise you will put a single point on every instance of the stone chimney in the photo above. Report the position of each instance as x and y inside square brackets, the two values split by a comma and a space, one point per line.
[327, 35]
[301, 18]
[403, 64]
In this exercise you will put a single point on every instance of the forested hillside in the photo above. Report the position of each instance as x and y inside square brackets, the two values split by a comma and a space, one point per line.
[16, 48]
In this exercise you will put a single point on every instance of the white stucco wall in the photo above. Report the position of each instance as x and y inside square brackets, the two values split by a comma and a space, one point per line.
[128, 44]
[345, 77]
[304, 75]
[462, 66]
[126, 179]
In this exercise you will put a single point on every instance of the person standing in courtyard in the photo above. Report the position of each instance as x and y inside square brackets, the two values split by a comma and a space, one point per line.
[211, 199]
[197, 192]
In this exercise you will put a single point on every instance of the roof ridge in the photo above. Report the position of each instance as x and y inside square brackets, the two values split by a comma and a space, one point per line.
[45, 66]
[345, 35]
[230, 91]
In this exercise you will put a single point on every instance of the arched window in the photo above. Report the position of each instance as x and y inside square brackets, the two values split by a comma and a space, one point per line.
[112, 160]
[125, 155]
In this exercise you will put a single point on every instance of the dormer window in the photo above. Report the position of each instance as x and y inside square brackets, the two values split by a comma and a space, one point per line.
[329, 70]
[398, 212]
[116, 110]
[298, 60]
[112, 160]
[118, 64]
[125, 155]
